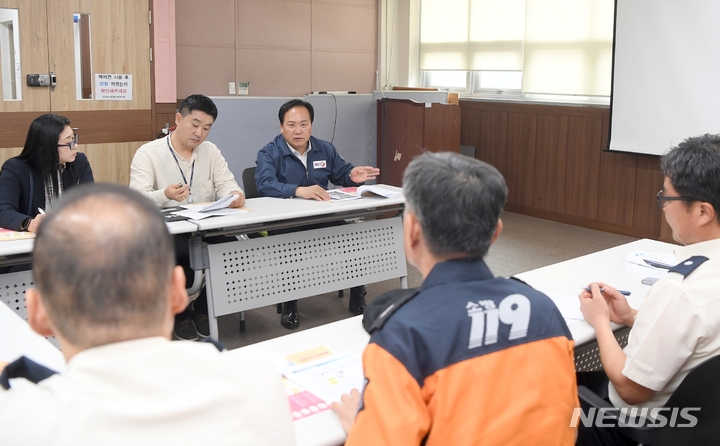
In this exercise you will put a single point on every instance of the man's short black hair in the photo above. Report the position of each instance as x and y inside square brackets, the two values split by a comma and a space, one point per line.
[296, 103]
[457, 200]
[693, 168]
[198, 102]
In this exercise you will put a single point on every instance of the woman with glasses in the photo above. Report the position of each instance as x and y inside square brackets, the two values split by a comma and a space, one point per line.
[48, 164]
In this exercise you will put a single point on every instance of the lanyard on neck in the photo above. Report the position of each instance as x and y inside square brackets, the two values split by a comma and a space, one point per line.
[192, 170]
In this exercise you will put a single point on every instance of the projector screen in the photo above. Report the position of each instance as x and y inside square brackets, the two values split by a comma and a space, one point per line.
[666, 73]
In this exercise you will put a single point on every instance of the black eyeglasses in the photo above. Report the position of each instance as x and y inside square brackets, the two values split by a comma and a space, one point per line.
[662, 200]
[72, 144]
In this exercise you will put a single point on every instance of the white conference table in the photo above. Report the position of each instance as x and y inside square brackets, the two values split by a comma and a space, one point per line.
[560, 278]
[19, 252]
[277, 213]
[376, 252]
[606, 266]
[246, 274]
[10, 248]
[18, 339]
[321, 429]
[348, 335]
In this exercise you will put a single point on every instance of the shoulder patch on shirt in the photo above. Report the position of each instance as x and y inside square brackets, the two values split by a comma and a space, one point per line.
[687, 266]
[319, 164]
[24, 368]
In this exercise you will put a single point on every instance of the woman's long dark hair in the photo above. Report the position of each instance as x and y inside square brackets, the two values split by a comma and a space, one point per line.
[41, 148]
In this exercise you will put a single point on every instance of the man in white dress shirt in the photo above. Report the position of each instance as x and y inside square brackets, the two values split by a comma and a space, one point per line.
[677, 326]
[107, 288]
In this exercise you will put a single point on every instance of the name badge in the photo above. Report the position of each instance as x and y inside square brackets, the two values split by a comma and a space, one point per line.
[319, 164]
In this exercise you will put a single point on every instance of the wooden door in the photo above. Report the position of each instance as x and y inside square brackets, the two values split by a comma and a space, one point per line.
[110, 131]
[16, 114]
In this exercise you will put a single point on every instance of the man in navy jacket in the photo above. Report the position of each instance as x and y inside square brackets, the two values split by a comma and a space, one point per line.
[296, 164]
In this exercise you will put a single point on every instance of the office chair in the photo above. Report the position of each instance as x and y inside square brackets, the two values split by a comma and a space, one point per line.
[699, 389]
[248, 177]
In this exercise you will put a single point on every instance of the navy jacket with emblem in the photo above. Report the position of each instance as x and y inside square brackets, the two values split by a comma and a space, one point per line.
[279, 172]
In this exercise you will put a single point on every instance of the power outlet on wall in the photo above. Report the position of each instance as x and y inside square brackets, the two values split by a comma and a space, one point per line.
[231, 89]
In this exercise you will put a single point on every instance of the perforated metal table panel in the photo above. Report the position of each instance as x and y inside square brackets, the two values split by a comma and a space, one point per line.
[12, 293]
[587, 356]
[268, 270]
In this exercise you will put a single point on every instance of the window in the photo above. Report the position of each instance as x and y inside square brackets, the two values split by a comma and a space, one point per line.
[446, 80]
[499, 81]
[551, 47]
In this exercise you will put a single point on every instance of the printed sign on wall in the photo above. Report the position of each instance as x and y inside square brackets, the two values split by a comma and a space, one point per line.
[113, 87]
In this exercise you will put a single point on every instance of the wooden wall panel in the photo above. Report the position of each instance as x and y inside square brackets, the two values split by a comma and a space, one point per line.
[112, 126]
[282, 47]
[442, 122]
[407, 128]
[648, 181]
[582, 169]
[400, 137]
[493, 139]
[617, 188]
[111, 162]
[520, 176]
[602, 190]
[9, 152]
[550, 163]
[470, 134]
[95, 127]
[164, 113]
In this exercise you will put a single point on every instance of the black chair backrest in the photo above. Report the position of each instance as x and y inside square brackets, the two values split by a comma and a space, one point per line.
[248, 177]
[701, 389]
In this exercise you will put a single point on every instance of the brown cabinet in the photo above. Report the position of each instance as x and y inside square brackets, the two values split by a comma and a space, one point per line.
[408, 128]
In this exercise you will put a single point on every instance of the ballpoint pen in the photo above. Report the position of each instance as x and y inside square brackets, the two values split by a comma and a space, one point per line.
[624, 293]
[41, 211]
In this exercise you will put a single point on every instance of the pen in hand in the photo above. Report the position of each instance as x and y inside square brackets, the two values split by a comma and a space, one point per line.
[41, 211]
[624, 293]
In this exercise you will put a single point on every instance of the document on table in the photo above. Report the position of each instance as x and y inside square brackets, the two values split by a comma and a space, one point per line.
[303, 403]
[338, 195]
[329, 377]
[649, 263]
[353, 193]
[569, 307]
[205, 210]
[368, 190]
[7, 234]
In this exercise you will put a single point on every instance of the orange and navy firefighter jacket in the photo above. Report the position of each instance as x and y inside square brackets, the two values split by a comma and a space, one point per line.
[471, 359]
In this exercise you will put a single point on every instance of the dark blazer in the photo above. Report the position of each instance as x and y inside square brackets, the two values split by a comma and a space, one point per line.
[22, 191]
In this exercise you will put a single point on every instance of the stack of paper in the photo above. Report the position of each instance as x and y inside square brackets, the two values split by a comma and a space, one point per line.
[7, 234]
[353, 193]
[205, 210]
[651, 259]
[317, 377]
[649, 263]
